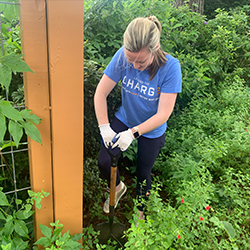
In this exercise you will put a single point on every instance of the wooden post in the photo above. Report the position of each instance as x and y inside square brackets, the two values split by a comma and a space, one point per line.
[52, 44]
[65, 39]
[36, 89]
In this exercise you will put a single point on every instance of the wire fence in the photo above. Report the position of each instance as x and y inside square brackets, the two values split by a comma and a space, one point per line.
[14, 161]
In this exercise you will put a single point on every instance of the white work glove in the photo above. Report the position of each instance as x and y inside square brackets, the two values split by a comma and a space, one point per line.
[107, 134]
[124, 140]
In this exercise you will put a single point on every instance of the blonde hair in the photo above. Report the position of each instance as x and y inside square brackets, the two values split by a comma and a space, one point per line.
[145, 33]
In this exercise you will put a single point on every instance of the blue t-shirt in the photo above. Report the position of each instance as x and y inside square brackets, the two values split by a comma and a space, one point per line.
[140, 97]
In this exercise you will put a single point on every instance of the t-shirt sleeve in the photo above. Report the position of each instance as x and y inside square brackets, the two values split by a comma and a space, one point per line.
[114, 68]
[172, 82]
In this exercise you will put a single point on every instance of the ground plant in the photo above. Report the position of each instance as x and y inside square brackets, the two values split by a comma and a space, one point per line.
[15, 235]
[203, 169]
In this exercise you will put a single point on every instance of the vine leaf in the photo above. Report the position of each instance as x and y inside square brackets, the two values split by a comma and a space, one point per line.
[3, 199]
[16, 63]
[5, 76]
[2, 127]
[30, 117]
[21, 228]
[16, 130]
[9, 111]
[32, 131]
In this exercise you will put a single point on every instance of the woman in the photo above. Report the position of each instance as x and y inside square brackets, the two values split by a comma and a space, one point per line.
[151, 80]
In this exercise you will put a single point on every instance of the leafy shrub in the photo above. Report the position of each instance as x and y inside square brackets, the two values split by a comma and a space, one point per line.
[193, 223]
[14, 233]
[91, 177]
[92, 75]
[55, 239]
[214, 130]
[11, 39]
[102, 27]
[13, 121]
[212, 5]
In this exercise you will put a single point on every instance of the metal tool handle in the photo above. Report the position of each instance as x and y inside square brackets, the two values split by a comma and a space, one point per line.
[114, 157]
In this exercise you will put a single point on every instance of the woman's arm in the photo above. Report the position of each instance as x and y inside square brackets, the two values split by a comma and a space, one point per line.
[100, 99]
[165, 108]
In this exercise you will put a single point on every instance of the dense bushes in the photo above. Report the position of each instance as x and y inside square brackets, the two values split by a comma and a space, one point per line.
[211, 5]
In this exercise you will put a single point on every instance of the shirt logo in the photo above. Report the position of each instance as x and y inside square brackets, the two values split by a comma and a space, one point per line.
[135, 85]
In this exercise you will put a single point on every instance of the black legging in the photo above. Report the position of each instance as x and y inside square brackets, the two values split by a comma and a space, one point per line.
[148, 150]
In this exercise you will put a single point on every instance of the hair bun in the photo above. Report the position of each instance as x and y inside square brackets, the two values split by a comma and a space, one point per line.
[155, 20]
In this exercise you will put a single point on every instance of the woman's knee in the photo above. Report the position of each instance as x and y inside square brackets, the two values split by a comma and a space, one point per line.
[103, 161]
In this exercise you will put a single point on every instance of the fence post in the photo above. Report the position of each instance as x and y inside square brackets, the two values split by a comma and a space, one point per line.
[65, 42]
[36, 90]
[52, 43]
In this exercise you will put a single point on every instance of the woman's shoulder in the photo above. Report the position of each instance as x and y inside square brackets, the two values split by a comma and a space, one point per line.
[169, 64]
[171, 59]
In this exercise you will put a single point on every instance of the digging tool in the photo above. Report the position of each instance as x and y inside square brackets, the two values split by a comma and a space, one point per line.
[112, 230]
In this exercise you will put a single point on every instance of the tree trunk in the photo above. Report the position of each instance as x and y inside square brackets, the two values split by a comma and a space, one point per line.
[194, 5]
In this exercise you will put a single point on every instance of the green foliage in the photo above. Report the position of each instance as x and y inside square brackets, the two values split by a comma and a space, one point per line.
[10, 28]
[212, 132]
[92, 75]
[18, 120]
[90, 238]
[54, 239]
[91, 177]
[11, 40]
[18, 96]
[12, 120]
[211, 5]
[102, 23]
[11, 63]
[193, 223]
[37, 197]
[14, 233]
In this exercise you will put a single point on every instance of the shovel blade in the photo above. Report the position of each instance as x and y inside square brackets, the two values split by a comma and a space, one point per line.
[116, 232]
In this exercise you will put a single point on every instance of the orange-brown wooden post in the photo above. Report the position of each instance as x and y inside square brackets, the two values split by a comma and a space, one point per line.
[65, 40]
[52, 43]
[36, 87]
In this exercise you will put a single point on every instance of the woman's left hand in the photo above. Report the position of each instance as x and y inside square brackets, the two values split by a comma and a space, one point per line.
[124, 140]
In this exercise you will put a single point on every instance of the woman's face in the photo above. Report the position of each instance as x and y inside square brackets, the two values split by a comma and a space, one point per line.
[141, 60]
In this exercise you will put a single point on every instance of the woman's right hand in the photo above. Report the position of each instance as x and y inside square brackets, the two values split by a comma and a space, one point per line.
[107, 134]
